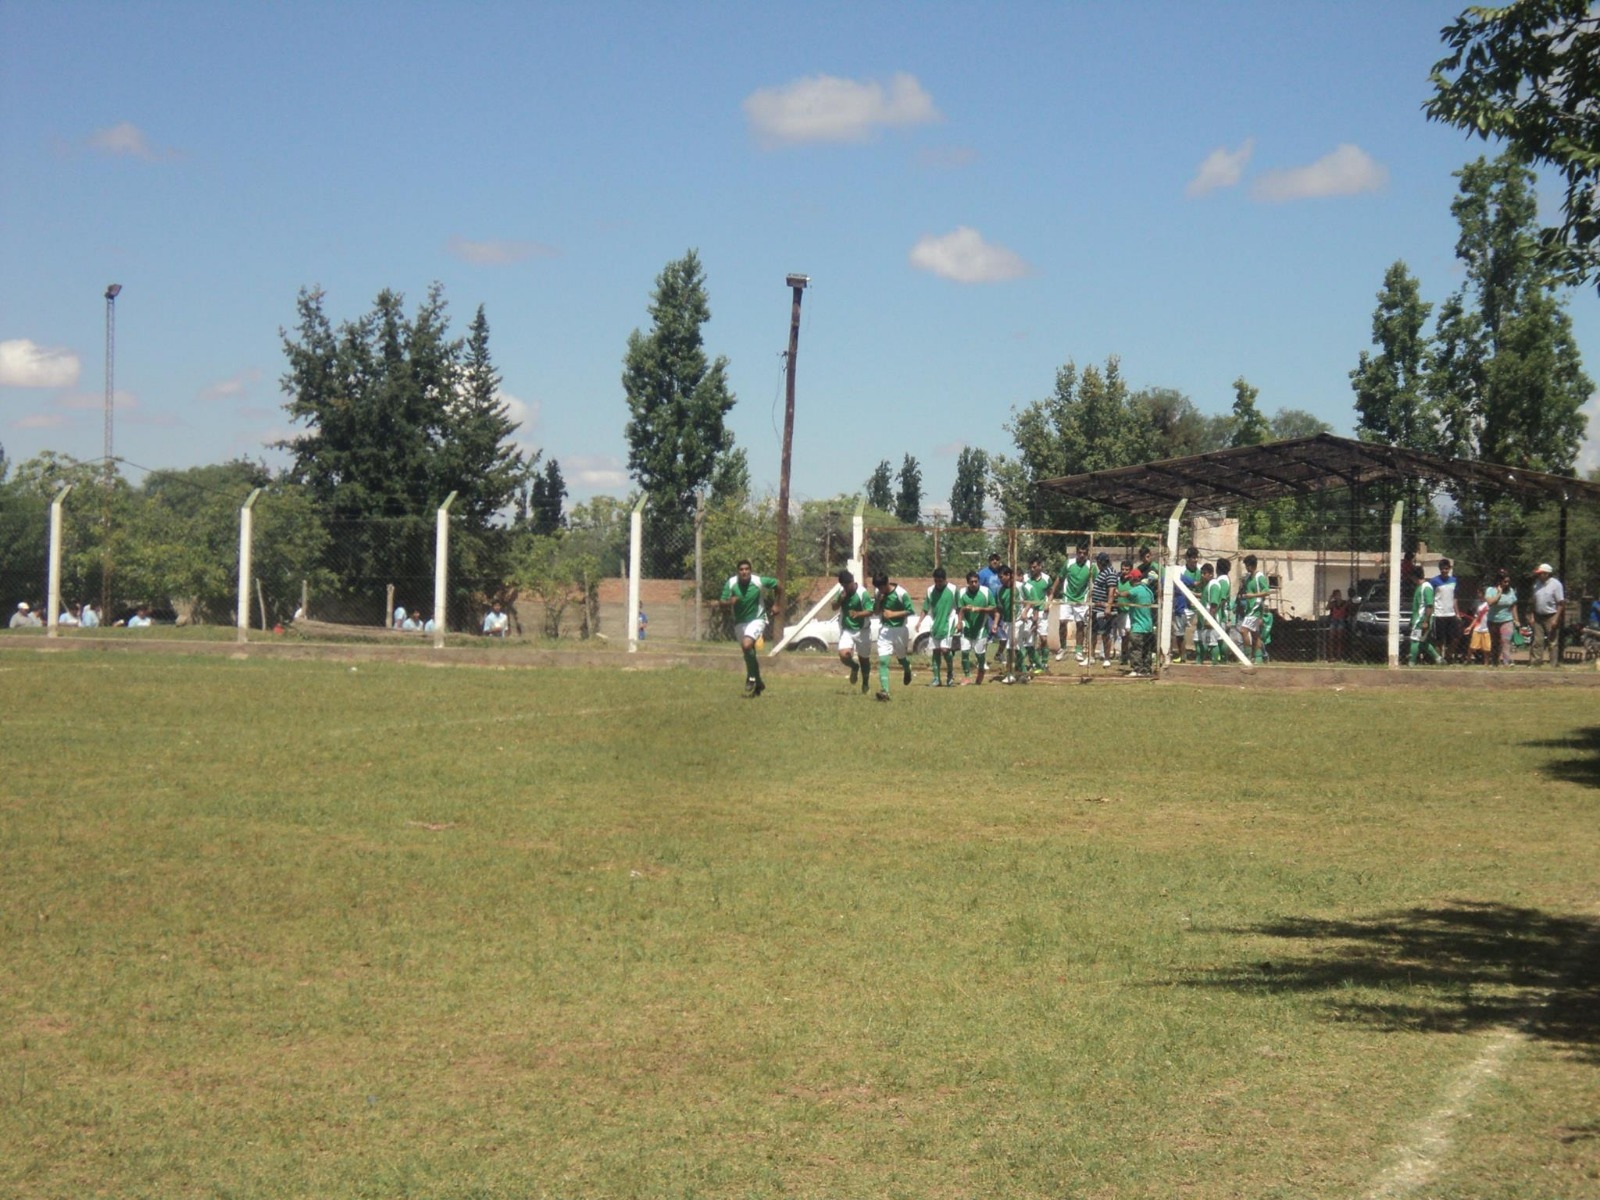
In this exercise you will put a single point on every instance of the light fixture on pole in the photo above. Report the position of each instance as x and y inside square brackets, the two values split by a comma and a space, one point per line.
[106, 468]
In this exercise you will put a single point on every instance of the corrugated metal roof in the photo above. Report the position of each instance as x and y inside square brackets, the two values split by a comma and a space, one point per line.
[1321, 462]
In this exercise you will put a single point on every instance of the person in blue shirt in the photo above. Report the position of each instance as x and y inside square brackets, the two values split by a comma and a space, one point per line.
[1183, 614]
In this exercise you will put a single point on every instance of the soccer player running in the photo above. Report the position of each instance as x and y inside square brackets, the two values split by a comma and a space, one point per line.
[746, 595]
[974, 607]
[1254, 592]
[1072, 585]
[940, 604]
[891, 605]
[854, 606]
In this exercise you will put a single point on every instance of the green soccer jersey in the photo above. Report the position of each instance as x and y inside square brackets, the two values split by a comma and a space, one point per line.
[1003, 602]
[748, 601]
[1217, 595]
[941, 607]
[1076, 578]
[1141, 613]
[854, 609]
[1258, 585]
[970, 604]
[1422, 605]
[898, 599]
[1035, 588]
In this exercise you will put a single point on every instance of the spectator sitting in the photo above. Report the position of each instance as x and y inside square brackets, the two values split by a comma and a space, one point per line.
[429, 625]
[140, 618]
[69, 618]
[90, 619]
[21, 619]
[495, 622]
[399, 616]
[410, 625]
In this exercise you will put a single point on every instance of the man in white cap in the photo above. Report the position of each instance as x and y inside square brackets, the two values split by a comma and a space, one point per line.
[23, 617]
[1549, 606]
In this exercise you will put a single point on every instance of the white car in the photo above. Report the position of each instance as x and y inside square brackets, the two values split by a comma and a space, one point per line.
[821, 635]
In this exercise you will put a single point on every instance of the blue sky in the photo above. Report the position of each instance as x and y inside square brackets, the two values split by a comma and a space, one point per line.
[979, 193]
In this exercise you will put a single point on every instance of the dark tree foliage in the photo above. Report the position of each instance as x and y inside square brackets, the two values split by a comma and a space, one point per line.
[547, 491]
[397, 415]
[1527, 73]
[908, 497]
[880, 486]
[677, 401]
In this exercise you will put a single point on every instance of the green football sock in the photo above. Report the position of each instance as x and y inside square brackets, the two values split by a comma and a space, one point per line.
[966, 663]
[936, 667]
[752, 665]
[883, 675]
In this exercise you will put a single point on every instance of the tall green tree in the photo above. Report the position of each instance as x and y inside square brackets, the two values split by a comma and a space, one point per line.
[476, 456]
[1393, 404]
[1249, 427]
[547, 493]
[678, 400]
[880, 486]
[908, 497]
[1506, 355]
[967, 494]
[1527, 73]
[1086, 424]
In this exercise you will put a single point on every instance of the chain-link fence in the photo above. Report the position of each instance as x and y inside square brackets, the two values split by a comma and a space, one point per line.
[168, 550]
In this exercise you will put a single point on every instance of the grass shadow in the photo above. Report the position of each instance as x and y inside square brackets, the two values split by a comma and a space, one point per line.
[1453, 968]
[1584, 767]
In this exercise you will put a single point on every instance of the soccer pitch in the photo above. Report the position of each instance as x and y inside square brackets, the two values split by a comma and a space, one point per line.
[302, 929]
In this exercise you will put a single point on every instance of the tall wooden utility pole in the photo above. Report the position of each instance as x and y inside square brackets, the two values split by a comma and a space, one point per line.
[798, 283]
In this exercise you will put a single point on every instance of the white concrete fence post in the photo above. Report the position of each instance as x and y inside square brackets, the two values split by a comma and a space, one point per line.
[52, 598]
[441, 568]
[246, 540]
[635, 568]
[1394, 586]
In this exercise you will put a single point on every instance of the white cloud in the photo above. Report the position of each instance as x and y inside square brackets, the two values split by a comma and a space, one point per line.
[825, 108]
[1347, 171]
[27, 364]
[233, 386]
[1222, 168]
[44, 420]
[594, 473]
[127, 140]
[497, 253]
[525, 413]
[963, 255]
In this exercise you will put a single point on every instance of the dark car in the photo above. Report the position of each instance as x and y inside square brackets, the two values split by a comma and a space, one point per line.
[1370, 625]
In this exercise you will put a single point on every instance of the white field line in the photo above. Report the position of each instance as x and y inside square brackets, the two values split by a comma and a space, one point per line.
[1419, 1160]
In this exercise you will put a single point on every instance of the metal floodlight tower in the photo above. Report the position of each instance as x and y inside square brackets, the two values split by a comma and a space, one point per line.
[105, 509]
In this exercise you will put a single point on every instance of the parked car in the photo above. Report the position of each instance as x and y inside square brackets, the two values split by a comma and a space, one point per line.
[1371, 624]
[821, 634]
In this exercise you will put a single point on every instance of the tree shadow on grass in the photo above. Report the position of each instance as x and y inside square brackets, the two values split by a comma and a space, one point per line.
[1584, 766]
[1454, 968]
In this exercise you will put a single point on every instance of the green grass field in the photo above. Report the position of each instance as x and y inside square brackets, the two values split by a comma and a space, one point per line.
[297, 929]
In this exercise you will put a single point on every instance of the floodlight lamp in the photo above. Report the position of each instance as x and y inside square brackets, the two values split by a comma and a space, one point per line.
[113, 290]
[799, 281]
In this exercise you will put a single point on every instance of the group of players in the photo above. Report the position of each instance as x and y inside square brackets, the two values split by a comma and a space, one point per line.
[1107, 608]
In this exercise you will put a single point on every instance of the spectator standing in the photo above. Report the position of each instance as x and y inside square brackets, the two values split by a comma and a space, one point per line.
[1338, 624]
[1141, 603]
[1478, 642]
[989, 580]
[1183, 614]
[1549, 608]
[1502, 601]
[1446, 612]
